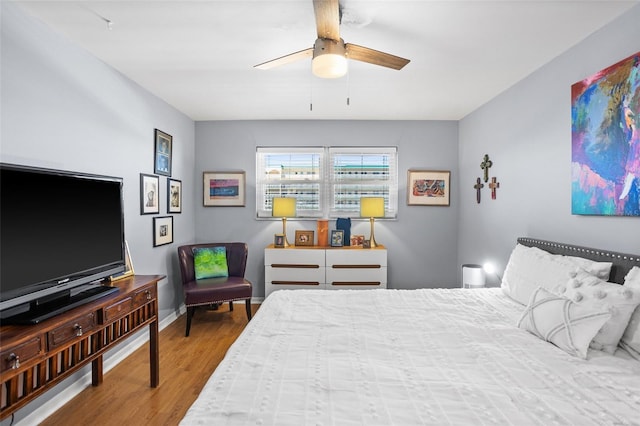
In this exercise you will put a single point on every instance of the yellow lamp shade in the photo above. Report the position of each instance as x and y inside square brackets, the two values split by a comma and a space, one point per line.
[372, 207]
[284, 207]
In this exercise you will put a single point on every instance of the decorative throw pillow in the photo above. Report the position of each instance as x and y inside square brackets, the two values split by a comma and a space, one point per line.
[631, 337]
[568, 325]
[529, 268]
[620, 301]
[210, 262]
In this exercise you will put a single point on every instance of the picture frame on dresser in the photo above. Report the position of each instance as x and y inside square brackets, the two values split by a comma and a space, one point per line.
[304, 238]
[337, 238]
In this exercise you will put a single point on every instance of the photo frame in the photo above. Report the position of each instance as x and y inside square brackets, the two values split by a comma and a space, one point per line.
[428, 187]
[149, 189]
[278, 240]
[337, 238]
[224, 189]
[162, 230]
[366, 244]
[163, 145]
[128, 265]
[174, 196]
[357, 240]
[304, 238]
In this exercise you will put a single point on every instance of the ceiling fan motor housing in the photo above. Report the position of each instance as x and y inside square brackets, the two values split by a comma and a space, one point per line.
[329, 58]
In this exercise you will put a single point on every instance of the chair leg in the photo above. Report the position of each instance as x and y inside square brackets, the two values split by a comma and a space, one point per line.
[247, 305]
[231, 306]
[190, 311]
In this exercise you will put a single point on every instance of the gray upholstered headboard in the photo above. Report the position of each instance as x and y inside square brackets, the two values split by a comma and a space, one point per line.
[622, 262]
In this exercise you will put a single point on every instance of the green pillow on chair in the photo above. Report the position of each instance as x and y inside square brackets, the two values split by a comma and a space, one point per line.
[210, 262]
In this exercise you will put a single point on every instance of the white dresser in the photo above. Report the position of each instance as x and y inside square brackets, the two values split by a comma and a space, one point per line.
[324, 268]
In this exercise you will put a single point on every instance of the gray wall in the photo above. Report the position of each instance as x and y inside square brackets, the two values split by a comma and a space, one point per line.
[421, 243]
[63, 108]
[527, 133]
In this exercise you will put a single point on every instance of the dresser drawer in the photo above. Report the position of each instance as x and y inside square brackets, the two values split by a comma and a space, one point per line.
[71, 330]
[143, 297]
[12, 358]
[283, 257]
[293, 275]
[118, 309]
[356, 278]
[359, 257]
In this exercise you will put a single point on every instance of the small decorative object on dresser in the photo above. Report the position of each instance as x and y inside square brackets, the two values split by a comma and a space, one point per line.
[304, 238]
[357, 240]
[337, 238]
[323, 232]
[366, 244]
[278, 240]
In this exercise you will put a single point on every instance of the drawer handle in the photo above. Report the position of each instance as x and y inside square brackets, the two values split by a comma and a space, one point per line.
[356, 266]
[356, 283]
[78, 328]
[295, 283]
[13, 360]
[148, 294]
[294, 265]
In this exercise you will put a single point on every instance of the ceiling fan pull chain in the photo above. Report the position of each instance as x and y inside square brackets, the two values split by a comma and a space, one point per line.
[348, 86]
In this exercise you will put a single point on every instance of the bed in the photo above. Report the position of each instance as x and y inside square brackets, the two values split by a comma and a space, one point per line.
[440, 356]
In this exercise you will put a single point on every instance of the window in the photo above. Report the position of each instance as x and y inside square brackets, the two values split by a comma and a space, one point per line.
[327, 182]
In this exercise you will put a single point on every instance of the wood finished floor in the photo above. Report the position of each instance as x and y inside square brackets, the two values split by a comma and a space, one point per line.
[125, 398]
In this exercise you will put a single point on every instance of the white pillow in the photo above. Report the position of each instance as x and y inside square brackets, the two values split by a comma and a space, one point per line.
[568, 325]
[531, 267]
[618, 300]
[601, 270]
[631, 337]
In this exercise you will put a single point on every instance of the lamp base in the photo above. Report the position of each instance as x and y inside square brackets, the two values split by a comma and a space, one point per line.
[372, 239]
[284, 232]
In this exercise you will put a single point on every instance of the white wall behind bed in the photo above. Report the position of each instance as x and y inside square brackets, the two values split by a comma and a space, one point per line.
[527, 133]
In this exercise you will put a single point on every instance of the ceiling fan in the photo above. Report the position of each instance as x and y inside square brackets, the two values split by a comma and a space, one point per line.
[330, 52]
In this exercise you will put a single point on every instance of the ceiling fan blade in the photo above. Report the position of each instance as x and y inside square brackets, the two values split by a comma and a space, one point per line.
[327, 18]
[286, 59]
[375, 57]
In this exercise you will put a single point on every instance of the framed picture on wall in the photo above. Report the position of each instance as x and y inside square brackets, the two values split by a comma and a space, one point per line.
[224, 189]
[428, 187]
[163, 144]
[162, 230]
[149, 186]
[174, 196]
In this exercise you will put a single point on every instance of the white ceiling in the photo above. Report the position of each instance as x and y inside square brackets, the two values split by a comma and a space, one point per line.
[199, 55]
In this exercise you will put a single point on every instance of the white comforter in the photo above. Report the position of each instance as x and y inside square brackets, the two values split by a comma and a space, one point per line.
[409, 357]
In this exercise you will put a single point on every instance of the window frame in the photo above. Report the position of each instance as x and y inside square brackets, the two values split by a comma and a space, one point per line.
[326, 182]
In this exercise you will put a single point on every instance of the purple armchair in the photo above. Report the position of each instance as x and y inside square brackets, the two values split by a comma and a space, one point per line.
[215, 291]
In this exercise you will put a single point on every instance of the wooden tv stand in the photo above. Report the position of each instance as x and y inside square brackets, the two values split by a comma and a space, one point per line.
[34, 358]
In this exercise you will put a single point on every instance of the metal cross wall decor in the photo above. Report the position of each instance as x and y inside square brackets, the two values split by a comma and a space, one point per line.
[494, 185]
[478, 186]
[486, 165]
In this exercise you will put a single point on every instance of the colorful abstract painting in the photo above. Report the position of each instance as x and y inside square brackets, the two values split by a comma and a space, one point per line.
[605, 132]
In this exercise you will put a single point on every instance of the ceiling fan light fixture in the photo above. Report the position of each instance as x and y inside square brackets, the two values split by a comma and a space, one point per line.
[329, 60]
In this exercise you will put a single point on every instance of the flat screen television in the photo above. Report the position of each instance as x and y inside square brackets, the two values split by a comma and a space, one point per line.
[59, 231]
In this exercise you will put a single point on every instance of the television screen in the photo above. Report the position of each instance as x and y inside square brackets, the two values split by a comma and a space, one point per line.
[58, 230]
